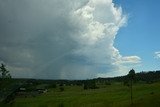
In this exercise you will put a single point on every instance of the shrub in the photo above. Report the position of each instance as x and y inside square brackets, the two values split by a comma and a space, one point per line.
[61, 89]
[90, 84]
[61, 105]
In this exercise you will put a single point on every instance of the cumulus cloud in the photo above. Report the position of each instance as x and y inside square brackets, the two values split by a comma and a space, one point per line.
[131, 59]
[61, 39]
[157, 55]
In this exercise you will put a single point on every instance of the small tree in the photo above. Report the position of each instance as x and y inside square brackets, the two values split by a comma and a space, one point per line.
[131, 78]
[90, 84]
[4, 72]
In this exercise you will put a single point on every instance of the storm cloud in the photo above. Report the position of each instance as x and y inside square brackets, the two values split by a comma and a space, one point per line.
[61, 39]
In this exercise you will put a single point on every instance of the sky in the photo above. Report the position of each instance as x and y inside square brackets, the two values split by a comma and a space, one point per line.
[141, 35]
[80, 39]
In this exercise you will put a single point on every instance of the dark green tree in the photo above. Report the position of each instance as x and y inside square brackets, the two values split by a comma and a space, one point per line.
[90, 84]
[131, 76]
[4, 72]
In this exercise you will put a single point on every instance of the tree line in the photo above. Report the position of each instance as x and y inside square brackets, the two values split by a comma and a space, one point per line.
[144, 76]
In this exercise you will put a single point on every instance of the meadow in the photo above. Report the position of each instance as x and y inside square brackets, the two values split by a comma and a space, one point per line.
[114, 95]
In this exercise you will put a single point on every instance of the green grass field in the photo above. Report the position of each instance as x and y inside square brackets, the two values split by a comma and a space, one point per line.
[115, 95]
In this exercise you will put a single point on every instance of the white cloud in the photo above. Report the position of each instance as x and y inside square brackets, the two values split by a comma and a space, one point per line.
[62, 38]
[131, 59]
[157, 55]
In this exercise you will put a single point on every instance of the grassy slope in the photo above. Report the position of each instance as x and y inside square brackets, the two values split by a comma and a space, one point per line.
[115, 95]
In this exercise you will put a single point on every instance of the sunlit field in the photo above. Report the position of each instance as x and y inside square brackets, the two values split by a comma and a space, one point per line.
[114, 95]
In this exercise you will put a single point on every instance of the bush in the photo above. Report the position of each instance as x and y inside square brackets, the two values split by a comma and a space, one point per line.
[90, 84]
[126, 83]
[61, 105]
[53, 85]
[61, 89]
[107, 83]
